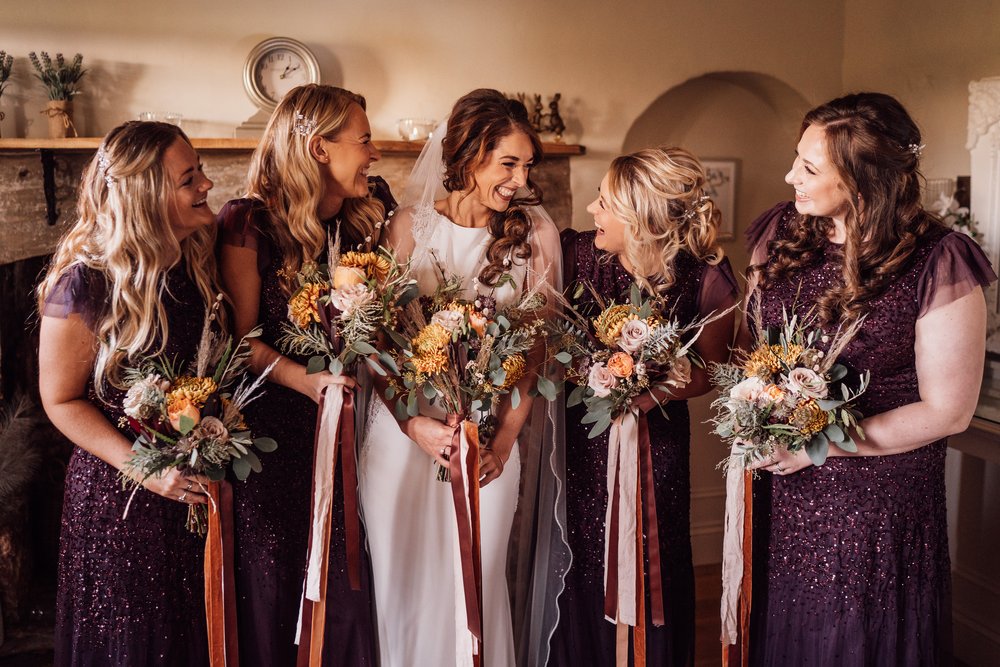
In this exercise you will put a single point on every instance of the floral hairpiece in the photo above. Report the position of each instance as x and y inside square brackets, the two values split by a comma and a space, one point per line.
[102, 167]
[916, 149]
[303, 125]
[693, 211]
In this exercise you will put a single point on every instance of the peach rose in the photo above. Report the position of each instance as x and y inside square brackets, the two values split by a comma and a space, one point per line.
[771, 394]
[347, 276]
[478, 323]
[621, 365]
[182, 407]
[601, 380]
[348, 299]
[634, 335]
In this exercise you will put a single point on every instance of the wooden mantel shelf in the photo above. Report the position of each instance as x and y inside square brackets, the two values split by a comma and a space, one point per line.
[392, 147]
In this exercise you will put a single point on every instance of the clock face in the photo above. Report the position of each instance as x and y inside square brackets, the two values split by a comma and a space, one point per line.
[279, 71]
[274, 67]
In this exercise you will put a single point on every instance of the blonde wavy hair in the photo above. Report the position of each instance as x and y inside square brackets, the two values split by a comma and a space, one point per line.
[286, 178]
[659, 194]
[123, 232]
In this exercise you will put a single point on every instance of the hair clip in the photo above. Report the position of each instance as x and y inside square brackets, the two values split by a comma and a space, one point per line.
[916, 149]
[693, 211]
[102, 167]
[304, 126]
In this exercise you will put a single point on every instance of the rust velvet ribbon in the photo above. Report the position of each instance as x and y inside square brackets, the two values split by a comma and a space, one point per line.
[220, 580]
[310, 653]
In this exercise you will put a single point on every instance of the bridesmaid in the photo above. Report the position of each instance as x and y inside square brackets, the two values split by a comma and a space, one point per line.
[854, 566]
[134, 276]
[308, 174]
[655, 225]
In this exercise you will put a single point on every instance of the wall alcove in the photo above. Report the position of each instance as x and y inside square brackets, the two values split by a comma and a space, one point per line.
[754, 119]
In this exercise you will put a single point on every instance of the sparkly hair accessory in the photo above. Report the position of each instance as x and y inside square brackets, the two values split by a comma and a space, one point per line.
[916, 149]
[303, 125]
[102, 167]
[693, 211]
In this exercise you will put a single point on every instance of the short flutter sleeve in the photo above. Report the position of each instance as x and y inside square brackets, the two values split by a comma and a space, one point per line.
[955, 267]
[763, 230]
[81, 291]
[238, 223]
[568, 238]
[719, 289]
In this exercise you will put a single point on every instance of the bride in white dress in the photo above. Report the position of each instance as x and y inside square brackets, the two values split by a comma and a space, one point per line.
[472, 211]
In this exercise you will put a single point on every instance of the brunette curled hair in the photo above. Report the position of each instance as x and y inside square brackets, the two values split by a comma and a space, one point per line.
[868, 141]
[478, 122]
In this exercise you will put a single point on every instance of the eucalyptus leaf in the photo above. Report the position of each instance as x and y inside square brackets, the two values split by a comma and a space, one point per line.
[834, 432]
[838, 372]
[546, 388]
[503, 322]
[412, 409]
[185, 425]
[498, 377]
[253, 461]
[361, 347]
[241, 468]
[848, 445]
[635, 296]
[374, 365]
[265, 444]
[591, 417]
[388, 362]
[817, 448]
[515, 398]
[429, 391]
[599, 428]
[336, 366]
[390, 392]
[476, 406]
[576, 396]
[315, 365]
[216, 474]
[564, 357]
[399, 411]
[827, 404]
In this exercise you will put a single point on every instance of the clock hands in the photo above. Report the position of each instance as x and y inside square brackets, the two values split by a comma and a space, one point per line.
[288, 70]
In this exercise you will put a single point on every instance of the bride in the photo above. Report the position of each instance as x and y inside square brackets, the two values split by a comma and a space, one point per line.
[470, 208]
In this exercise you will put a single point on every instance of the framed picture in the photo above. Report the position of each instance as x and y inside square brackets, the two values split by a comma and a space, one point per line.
[721, 187]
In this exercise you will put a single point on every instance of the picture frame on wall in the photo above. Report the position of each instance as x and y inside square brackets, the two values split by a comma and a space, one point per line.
[721, 187]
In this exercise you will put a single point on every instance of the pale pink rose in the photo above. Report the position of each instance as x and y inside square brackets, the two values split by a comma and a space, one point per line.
[601, 380]
[347, 299]
[451, 320]
[634, 335]
[347, 276]
[806, 382]
[680, 373]
[749, 390]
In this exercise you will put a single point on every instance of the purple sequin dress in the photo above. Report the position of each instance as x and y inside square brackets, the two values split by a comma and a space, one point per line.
[272, 507]
[584, 636]
[851, 563]
[131, 591]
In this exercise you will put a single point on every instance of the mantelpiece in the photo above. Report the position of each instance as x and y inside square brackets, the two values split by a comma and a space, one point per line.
[39, 177]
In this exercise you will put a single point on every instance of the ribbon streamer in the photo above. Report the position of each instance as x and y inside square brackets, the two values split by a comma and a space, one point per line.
[220, 581]
[463, 464]
[334, 435]
[630, 487]
[737, 565]
[66, 120]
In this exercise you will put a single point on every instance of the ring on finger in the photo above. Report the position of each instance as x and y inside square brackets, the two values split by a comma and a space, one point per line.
[780, 469]
[444, 452]
[188, 487]
[183, 496]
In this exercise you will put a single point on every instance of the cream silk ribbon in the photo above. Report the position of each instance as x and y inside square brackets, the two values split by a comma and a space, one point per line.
[623, 467]
[732, 549]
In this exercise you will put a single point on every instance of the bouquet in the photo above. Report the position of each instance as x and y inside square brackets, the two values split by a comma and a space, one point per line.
[789, 392]
[628, 349]
[340, 308]
[336, 317]
[189, 416]
[466, 355]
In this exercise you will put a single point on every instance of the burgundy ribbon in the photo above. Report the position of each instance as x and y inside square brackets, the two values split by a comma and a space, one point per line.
[652, 524]
[467, 517]
[220, 579]
[310, 653]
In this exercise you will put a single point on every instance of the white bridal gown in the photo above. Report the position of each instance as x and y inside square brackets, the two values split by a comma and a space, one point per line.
[409, 514]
